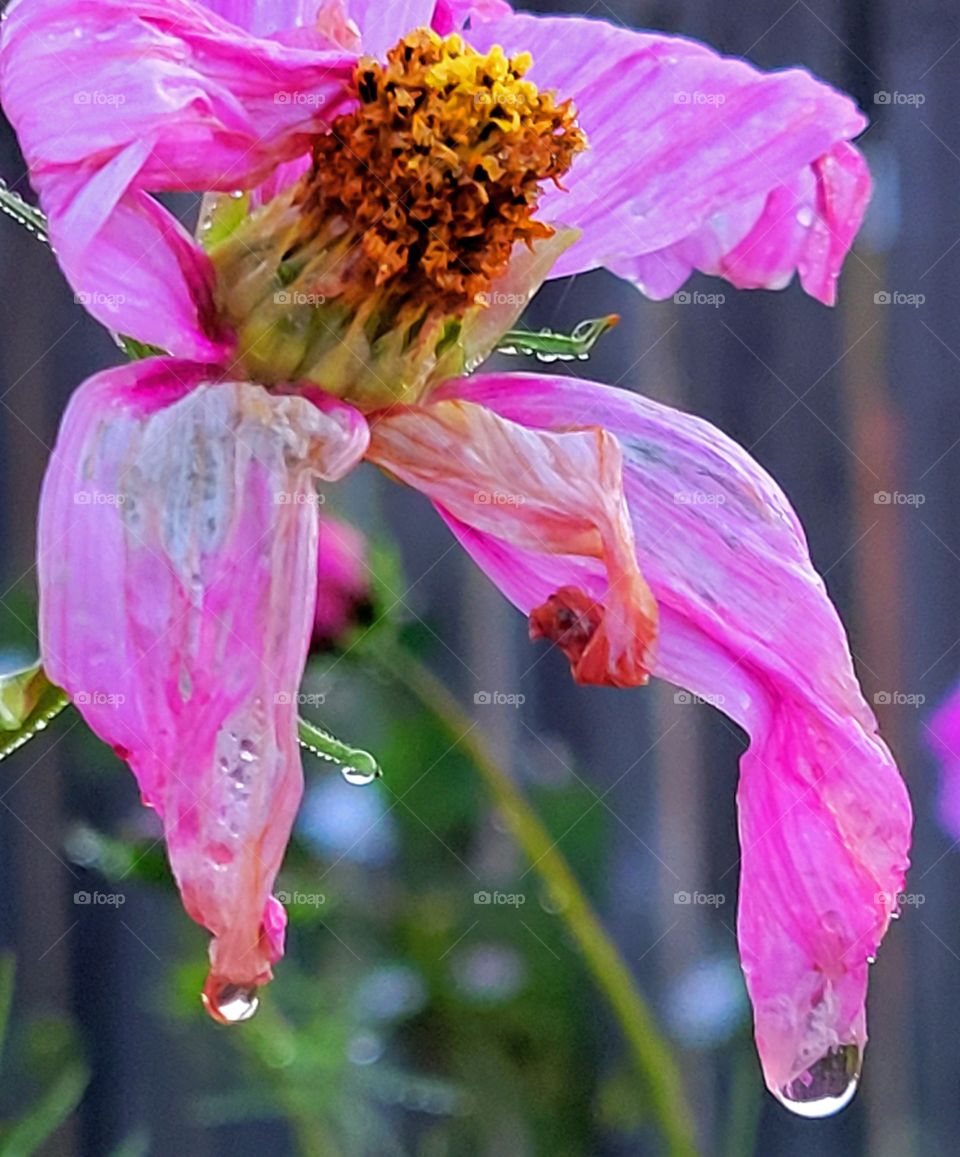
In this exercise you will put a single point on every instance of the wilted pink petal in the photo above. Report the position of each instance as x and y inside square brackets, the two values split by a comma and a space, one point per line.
[745, 622]
[694, 158]
[550, 495]
[177, 570]
[943, 736]
[343, 579]
[121, 99]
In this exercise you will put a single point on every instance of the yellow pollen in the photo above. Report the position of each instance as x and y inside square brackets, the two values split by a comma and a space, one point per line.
[438, 171]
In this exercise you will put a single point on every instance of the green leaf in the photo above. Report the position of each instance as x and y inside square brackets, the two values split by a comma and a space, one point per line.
[26, 215]
[28, 701]
[42, 1121]
[547, 346]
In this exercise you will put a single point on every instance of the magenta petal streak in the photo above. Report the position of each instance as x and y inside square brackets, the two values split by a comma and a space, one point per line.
[177, 563]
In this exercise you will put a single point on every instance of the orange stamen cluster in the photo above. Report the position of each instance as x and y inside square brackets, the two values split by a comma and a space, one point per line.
[438, 170]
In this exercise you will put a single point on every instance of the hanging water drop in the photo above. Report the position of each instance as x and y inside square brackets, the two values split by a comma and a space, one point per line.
[229, 1003]
[805, 216]
[826, 1087]
[361, 770]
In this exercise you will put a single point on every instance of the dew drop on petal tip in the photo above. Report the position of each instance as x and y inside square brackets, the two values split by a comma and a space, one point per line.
[826, 1087]
[230, 1003]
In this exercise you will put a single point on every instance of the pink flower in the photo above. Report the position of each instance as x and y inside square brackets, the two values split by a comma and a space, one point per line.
[343, 580]
[373, 261]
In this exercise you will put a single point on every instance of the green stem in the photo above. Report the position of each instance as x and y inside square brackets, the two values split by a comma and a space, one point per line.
[325, 745]
[651, 1054]
[552, 347]
[26, 215]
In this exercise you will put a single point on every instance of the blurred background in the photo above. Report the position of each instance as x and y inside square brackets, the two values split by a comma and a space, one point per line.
[411, 1016]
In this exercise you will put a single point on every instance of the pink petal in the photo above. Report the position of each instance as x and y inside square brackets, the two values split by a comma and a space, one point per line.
[552, 495]
[696, 161]
[943, 736]
[113, 100]
[383, 25]
[746, 623]
[177, 571]
[452, 15]
[343, 579]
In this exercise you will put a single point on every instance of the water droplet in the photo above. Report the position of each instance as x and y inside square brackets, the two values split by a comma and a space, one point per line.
[871, 960]
[237, 195]
[248, 751]
[805, 216]
[362, 769]
[826, 1087]
[229, 1003]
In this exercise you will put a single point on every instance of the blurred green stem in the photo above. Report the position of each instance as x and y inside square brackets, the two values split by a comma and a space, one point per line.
[654, 1061]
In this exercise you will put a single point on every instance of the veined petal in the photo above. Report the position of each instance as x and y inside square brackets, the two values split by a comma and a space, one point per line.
[383, 25]
[696, 161]
[112, 101]
[177, 572]
[746, 623]
[556, 496]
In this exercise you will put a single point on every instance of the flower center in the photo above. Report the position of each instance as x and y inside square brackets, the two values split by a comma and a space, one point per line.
[440, 167]
[410, 244]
